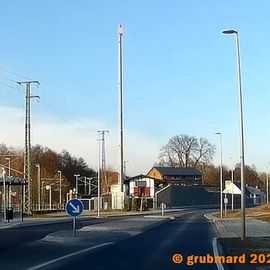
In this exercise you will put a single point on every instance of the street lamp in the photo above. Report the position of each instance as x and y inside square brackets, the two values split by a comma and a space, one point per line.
[232, 176]
[267, 188]
[60, 188]
[4, 192]
[9, 187]
[38, 167]
[242, 152]
[49, 188]
[99, 176]
[221, 174]
[76, 192]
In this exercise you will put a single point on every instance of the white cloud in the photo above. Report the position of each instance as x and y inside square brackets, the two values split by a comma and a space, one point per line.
[140, 151]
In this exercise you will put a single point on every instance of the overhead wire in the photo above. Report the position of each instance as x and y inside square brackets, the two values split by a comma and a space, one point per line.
[14, 73]
[6, 85]
[46, 104]
[59, 105]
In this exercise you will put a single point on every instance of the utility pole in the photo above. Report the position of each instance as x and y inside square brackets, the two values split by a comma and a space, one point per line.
[120, 87]
[4, 193]
[103, 157]
[102, 168]
[60, 189]
[232, 187]
[77, 186]
[267, 188]
[27, 155]
[38, 167]
[221, 174]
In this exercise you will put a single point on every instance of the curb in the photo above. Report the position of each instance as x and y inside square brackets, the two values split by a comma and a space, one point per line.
[161, 217]
[40, 222]
[62, 239]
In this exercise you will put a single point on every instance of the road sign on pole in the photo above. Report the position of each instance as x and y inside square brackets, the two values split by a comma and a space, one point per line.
[74, 208]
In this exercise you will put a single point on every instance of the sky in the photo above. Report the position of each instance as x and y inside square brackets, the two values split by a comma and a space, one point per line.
[180, 76]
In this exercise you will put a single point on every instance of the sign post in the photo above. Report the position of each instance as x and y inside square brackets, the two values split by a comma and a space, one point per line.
[74, 208]
[163, 206]
[226, 203]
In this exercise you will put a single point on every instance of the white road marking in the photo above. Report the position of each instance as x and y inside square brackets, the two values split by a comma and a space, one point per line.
[40, 266]
[215, 249]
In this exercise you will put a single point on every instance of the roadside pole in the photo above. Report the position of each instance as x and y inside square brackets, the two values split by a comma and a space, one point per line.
[4, 193]
[163, 205]
[74, 208]
[267, 188]
[225, 203]
[74, 227]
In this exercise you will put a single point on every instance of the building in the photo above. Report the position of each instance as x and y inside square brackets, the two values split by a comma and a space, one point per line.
[177, 176]
[141, 191]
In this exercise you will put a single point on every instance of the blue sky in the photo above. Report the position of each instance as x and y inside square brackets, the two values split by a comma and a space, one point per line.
[179, 74]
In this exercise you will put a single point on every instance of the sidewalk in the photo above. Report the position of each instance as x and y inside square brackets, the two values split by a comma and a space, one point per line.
[229, 243]
[231, 227]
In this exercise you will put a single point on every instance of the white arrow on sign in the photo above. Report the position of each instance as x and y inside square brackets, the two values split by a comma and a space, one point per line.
[76, 210]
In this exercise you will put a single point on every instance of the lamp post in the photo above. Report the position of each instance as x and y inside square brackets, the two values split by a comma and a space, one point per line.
[38, 167]
[267, 188]
[76, 192]
[42, 191]
[242, 152]
[60, 188]
[9, 187]
[99, 175]
[49, 188]
[221, 174]
[232, 186]
[4, 192]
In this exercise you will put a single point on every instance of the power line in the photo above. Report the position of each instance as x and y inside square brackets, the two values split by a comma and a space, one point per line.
[80, 130]
[52, 98]
[63, 108]
[6, 78]
[14, 73]
[11, 87]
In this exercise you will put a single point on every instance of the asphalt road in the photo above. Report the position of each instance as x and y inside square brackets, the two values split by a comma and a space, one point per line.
[20, 246]
[189, 234]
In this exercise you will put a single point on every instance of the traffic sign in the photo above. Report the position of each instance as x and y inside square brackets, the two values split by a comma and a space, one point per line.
[74, 207]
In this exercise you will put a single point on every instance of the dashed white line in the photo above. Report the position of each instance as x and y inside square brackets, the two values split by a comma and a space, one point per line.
[40, 266]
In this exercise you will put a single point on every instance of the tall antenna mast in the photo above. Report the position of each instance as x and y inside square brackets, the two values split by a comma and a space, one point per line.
[120, 87]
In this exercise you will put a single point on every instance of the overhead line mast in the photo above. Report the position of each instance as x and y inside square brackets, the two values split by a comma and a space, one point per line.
[27, 155]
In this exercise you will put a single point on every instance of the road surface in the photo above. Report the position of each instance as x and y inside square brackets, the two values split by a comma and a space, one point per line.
[189, 234]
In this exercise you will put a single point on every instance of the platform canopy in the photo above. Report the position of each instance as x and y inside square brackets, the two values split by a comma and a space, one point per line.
[13, 181]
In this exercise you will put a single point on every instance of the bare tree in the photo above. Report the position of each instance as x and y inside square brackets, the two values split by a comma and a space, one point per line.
[186, 151]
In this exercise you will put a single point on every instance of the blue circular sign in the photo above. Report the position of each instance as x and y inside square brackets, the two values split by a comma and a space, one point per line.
[74, 207]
